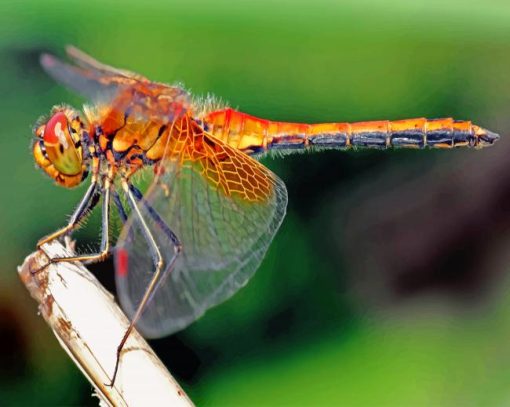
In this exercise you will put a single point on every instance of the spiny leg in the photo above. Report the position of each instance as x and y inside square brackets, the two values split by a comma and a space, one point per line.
[87, 203]
[162, 225]
[104, 249]
[122, 213]
[155, 216]
[120, 208]
[156, 257]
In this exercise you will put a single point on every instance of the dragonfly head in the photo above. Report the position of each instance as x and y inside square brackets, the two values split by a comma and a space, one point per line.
[57, 147]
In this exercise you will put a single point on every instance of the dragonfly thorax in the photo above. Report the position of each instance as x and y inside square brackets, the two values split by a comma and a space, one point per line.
[58, 149]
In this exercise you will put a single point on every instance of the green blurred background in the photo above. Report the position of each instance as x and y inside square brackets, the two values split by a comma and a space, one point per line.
[387, 283]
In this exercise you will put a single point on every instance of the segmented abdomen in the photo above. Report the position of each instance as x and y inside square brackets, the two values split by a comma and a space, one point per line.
[254, 135]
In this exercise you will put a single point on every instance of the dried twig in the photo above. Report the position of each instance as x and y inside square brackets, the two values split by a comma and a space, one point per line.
[89, 325]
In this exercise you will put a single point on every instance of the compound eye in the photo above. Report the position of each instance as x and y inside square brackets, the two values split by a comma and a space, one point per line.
[55, 131]
[60, 147]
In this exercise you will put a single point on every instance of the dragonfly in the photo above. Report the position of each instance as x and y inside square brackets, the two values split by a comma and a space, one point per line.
[199, 229]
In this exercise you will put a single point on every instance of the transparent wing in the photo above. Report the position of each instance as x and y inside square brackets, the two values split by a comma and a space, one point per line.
[92, 65]
[122, 90]
[224, 207]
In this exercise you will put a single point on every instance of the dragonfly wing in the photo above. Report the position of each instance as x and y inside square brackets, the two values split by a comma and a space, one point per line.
[116, 88]
[87, 83]
[225, 208]
[87, 62]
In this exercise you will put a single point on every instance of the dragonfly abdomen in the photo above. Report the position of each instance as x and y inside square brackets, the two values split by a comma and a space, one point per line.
[254, 135]
[412, 133]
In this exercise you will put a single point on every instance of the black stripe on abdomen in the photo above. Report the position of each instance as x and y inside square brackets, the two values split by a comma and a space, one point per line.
[407, 138]
[288, 142]
[330, 140]
[371, 139]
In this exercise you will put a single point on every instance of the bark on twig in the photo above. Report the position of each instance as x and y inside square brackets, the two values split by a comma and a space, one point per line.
[89, 325]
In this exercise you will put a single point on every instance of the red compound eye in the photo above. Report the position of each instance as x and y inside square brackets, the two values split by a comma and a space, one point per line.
[60, 147]
[56, 130]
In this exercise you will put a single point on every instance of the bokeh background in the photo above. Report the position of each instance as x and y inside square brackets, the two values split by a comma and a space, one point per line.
[388, 281]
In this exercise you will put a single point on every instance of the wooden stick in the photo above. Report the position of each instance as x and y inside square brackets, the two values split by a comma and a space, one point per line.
[89, 325]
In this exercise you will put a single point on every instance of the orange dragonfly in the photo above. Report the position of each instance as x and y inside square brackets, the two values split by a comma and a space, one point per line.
[197, 234]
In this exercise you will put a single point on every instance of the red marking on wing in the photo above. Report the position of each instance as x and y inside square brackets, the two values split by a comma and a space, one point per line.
[122, 262]
[159, 170]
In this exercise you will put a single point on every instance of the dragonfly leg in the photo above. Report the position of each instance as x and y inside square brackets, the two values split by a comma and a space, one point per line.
[164, 228]
[155, 216]
[120, 207]
[122, 213]
[104, 249]
[87, 203]
[134, 195]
